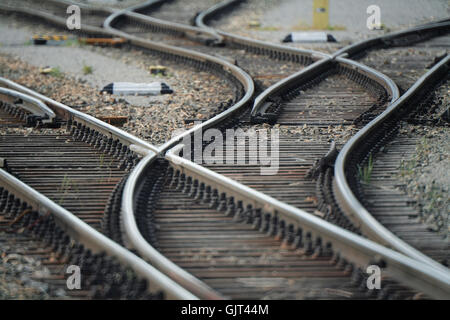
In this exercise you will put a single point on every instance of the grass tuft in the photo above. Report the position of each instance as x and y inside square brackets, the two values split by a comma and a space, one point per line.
[365, 173]
[87, 69]
[56, 72]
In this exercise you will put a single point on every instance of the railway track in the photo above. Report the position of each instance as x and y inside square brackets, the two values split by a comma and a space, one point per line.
[296, 107]
[184, 219]
[404, 56]
[161, 207]
[250, 55]
[154, 221]
[77, 167]
[383, 90]
[393, 215]
[309, 114]
[235, 253]
[177, 11]
[55, 12]
[76, 170]
[239, 20]
[26, 233]
[58, 203]
[238, 80]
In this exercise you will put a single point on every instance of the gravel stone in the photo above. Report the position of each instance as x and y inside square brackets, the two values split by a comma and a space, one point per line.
[426, 175]
[427, 172]
[182, 11]
[197, 95]
[277, 18]
[19, 272]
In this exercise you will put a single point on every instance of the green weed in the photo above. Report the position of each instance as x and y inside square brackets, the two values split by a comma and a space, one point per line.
[365, 173]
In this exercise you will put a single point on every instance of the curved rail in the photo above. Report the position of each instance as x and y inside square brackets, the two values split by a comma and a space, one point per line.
[435, 283]
[261, 47]
[341, 57]
[401, 267]
[252, 44]
[82, 118]
[210, 37]
[12, 7]
[415, 274]
[349, 203]
[36, 107]
[224, 66]
[347, 200]
[241, 76]
[418, 32]
[91, 238]
[314, 70]
[195, 285]
[146, 251]
[245, 80]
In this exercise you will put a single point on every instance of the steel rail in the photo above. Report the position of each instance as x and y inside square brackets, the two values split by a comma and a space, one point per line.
[93, 239]
[131, 12]
[87, 7]
[314, 70]
[238, 73]
[142, 246]
[346, 198]
[207, 124]
[385, 81]
[148, 252]
[128, 202]
[362, 251]
[132, 233]
[192, 130]
[435, 283]
[137, 175]
[245, 80]
[286, 83]
[195, 285]
[207, 14]
[36, 107]
[78, 229]
[363, 45]
[380, 78]
[370, 227]
[67, 112]
[301, 76]
[248, 43]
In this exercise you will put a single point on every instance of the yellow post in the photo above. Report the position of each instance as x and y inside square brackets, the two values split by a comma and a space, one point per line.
[320, 14]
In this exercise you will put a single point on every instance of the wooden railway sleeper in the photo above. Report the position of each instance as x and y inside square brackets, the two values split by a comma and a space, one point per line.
[121, 283]
[270, 224]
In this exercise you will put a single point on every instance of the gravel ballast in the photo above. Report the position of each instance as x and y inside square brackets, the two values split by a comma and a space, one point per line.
[182, 11]
[197, 95]
[426, 174]
[20, 271]
[347, 19]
